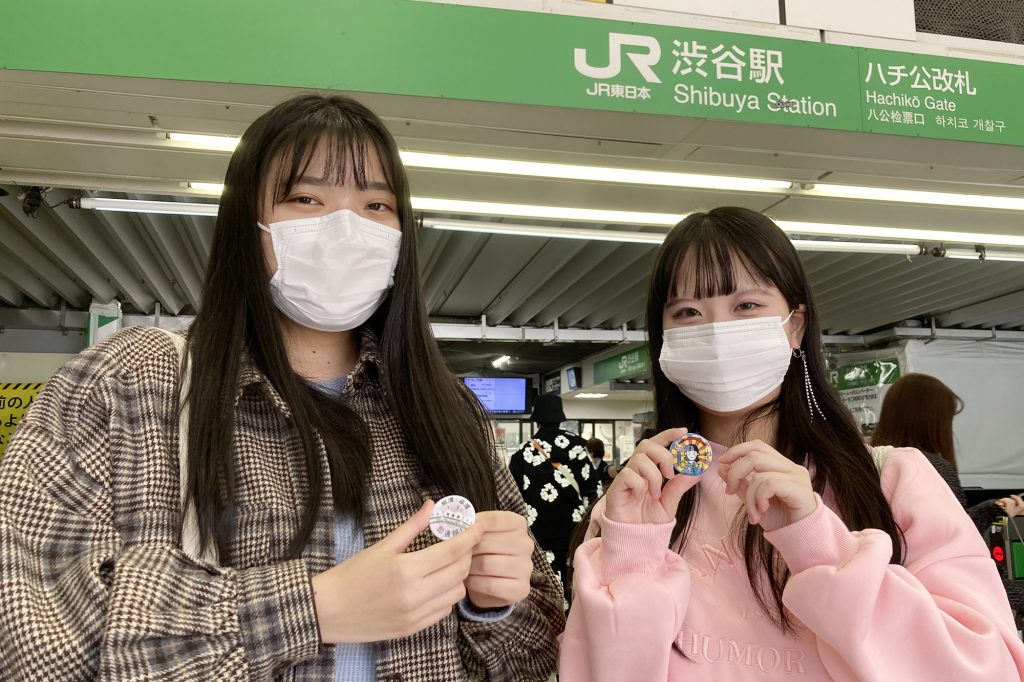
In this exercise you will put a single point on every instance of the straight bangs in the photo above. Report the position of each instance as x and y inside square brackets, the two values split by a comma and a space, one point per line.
[347, 145]
[705, 258]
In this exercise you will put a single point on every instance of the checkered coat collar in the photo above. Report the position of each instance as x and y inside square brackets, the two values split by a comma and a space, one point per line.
[366, 369]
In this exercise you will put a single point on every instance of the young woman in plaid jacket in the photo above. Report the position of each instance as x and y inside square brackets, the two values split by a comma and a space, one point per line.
[322, 424]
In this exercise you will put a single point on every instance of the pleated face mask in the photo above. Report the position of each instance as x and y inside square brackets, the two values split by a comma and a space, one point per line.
[727, 366]
[333, 271]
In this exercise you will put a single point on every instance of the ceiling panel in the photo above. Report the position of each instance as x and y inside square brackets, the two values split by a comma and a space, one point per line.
[76, 256]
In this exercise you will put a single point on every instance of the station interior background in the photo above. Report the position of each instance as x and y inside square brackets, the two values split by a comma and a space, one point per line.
[559, 293]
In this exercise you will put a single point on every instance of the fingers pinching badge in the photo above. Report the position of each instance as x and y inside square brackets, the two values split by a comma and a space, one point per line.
[691, 454]
[451, 516]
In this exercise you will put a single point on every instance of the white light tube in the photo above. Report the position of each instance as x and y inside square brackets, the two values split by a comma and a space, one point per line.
[221, 143]
[498, 363]
[139, 206]
[564, 171]
[543, 212]
[649, 238]
[856, 247]
[600, 216]
[591, 395]
[971, 254]
[910, 196]
[215, 188]
[898, 233]
[544, 231]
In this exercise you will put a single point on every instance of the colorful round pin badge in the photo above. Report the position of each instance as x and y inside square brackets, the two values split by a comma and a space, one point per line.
[451, 516]
[691, 454]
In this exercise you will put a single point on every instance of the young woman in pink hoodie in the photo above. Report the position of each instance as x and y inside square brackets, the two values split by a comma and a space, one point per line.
[800, 553]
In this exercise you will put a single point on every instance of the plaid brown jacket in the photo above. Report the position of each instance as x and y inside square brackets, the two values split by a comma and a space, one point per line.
[94, 585]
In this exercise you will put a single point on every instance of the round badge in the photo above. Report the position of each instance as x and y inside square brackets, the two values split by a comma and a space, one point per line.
[451, 516]
[691, 454]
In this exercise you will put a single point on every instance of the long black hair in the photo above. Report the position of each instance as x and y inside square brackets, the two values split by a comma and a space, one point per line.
[711, 246]
[238, 322]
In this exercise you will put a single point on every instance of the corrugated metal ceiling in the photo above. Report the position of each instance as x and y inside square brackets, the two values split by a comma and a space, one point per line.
[70, 132]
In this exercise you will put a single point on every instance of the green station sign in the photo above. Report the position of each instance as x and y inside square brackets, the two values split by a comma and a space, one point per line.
[625, 365]
[409, 47]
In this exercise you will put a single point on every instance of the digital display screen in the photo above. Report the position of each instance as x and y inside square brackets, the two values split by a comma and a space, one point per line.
[499, 395]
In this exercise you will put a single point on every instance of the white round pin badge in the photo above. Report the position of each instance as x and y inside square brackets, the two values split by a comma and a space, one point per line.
[451, 516]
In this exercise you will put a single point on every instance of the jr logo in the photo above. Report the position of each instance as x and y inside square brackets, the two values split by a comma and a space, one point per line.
[617, 43]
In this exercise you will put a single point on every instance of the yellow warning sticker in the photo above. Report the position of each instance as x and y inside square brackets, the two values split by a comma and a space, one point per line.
[14, 401]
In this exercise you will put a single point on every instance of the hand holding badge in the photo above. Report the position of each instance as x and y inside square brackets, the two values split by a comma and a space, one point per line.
[691, 454]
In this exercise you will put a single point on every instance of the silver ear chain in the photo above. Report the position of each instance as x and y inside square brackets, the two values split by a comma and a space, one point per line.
[812, 401]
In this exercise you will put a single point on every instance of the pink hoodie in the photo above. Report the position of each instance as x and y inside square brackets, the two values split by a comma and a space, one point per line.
[942, 616]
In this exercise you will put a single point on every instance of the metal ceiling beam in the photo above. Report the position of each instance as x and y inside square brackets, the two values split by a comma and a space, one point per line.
[624, 259]
[475, 332]
[926, 300]
[899, 276]
[129, 241]
[430, 244]
[903, 333]
[634, 274]
[628, 303]
[563, 277]
[450, 268]
[52, 239]
[90, 238]
[193, 244]
[525, 285]
[9, 293]
[979, 313]
[28, 282]
[169, 240]
[34, 318]
[927, 288]
[634, 313]
[201, 230]
[35, 261]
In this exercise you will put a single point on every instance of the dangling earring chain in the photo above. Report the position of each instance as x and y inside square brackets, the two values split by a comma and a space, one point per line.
[812, 401]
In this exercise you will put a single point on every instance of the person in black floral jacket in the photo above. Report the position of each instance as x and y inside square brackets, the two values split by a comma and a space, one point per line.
[554, 474]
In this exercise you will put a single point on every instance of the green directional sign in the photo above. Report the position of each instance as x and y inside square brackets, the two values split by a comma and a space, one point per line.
[410, 47]
[622, 366]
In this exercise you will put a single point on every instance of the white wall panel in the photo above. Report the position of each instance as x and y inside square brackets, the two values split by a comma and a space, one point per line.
[883, 18]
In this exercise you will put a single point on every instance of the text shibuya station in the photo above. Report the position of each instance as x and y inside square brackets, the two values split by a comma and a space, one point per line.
[775, 101]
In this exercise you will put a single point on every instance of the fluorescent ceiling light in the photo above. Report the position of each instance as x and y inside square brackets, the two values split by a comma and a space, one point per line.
[139, 206]
[565, 171]
[501, 362]
[910, 196]
[857, 247]
[972, 254]
[543, 212]
[898, 233]
[620, 236]
[216, 188]
[544, 231]
[601, 216]
[213, 142]
[591, 395]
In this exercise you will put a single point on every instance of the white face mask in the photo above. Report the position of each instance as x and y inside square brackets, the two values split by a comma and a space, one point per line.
[727, 366]
[334, 270]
